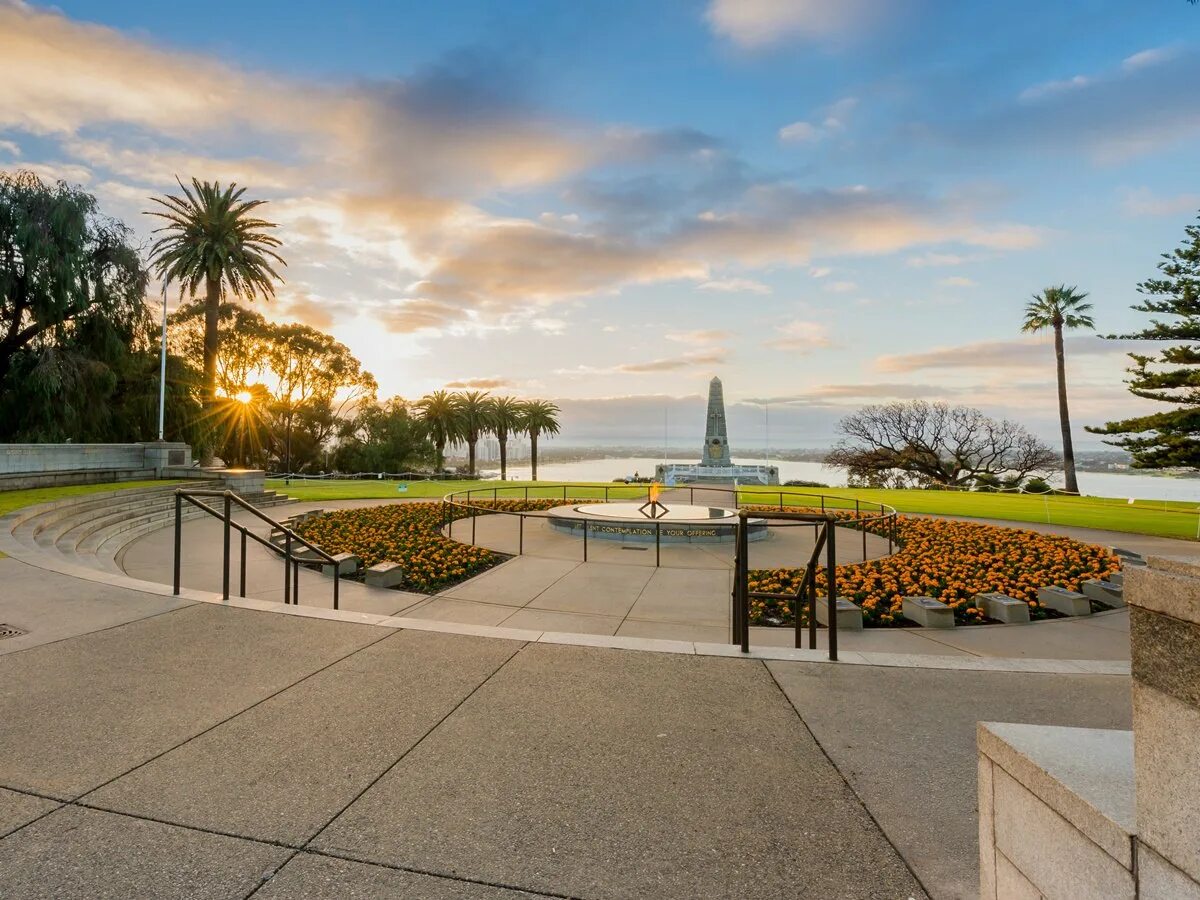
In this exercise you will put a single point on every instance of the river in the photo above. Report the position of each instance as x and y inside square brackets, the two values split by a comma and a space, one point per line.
[1098, 484]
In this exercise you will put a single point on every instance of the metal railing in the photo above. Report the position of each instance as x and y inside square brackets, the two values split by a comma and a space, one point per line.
[805, 596]
[291, 564]
[868, 516]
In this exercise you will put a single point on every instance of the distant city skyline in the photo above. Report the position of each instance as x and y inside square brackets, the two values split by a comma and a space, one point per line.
[605, 204]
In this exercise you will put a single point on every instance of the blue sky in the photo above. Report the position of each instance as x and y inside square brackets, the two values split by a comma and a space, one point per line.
[607, 203]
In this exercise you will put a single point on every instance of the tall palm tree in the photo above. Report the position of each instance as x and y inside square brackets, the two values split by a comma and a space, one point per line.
[541, 417]
[475, 413]
[439, 412]
[214, 239]
[508, 417]
[1058, 308]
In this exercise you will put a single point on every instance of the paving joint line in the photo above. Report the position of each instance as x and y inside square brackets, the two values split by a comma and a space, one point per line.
[862, 803]
[374, 781]
[186, 604]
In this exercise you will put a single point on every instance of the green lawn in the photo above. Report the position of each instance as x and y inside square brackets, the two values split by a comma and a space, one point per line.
[1158, 517]
[10, 500]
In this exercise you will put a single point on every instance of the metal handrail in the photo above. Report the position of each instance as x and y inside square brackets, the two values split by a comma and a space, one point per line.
[462, 500]
[291, 567]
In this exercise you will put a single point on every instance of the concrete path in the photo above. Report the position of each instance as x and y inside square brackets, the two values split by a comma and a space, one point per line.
[215, 752]
[687, 599]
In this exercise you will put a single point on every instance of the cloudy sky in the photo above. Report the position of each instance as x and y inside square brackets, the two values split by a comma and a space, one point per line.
[607, 203]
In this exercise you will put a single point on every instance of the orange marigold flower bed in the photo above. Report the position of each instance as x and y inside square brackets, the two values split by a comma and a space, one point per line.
[410, 534]
[951, 561]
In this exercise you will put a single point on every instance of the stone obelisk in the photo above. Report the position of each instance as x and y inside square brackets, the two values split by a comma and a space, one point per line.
[716, 434]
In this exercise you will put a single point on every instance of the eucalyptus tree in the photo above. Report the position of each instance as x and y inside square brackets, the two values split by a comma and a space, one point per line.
[1060, 307]
[439, 413]
[508, 418]
[475, 418]
[214, 240]
[540, 417]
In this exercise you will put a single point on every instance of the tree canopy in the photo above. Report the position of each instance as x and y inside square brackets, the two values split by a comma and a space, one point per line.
[1171, 437]
[920, 444]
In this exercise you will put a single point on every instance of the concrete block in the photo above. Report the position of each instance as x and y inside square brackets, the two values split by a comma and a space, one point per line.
[927, 612]
[347, 564]
[1011, 884]
[1050, 852]
[1117, 578]
[1159, 880]
[1168, 792]
[1003, 608]
[385, 575]
[1111, 595]
[849, 616]
[1069, 603]
[987, 832]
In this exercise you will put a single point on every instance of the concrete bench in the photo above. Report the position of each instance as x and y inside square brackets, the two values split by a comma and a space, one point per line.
[1129, 557]
[345, 564]
[385, 575]
[1003, 608]
[1117, 578]
[1069, 603]
[1104, 592]
[849, 616]
[927, 612]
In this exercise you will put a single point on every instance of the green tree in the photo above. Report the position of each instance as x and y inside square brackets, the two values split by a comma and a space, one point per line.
[383, 438]
[540, 417]
[214, 239]
[1172, 437]
[508, 417]
[1059, 308]
[475, 420]
[440, 415]
[64, 268]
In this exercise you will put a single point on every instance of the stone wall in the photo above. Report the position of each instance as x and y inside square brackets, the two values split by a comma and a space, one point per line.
[46, 465]
[1079, 813]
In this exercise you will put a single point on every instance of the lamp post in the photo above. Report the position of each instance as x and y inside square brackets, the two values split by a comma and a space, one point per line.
[162, 368]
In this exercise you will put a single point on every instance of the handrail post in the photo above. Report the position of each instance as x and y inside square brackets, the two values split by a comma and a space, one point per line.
[242, 581]
[585, 521]
[744, 581]
[474, 516]
[296, 582]
[225, 556]
[178, 537]
[735, 599]
[287, 566]
[337, 580]
[812, 607]
[521, 535]
[831, 577]
[657, 543]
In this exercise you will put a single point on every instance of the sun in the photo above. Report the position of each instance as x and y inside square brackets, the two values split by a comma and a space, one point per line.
[243, 396]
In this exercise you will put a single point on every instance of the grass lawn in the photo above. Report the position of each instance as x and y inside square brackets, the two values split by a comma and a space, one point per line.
[1158, 517]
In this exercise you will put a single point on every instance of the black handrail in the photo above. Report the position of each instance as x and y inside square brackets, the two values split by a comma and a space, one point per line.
[291, 566]
[807, 591]
[462, 500]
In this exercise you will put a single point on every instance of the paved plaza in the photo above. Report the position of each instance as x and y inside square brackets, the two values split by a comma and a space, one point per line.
[181, 749]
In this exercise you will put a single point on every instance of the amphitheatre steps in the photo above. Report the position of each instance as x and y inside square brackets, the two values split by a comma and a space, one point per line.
[93, 530]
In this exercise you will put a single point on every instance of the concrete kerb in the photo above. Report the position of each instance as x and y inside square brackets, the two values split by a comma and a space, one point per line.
[51, 562]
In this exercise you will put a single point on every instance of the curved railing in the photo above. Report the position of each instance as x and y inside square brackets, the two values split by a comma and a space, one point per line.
[851, 512]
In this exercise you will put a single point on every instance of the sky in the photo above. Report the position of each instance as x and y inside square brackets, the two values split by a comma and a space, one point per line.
[607, 203]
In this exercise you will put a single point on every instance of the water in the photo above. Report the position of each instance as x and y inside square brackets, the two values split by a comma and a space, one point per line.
[1098, 484]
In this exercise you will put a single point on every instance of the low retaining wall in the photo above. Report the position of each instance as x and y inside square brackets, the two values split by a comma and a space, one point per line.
[49, 465]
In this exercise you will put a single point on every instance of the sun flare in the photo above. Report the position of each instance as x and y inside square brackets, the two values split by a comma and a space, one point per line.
[243, 397]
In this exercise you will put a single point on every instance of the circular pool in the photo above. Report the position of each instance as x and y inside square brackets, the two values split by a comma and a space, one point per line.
[631, 522]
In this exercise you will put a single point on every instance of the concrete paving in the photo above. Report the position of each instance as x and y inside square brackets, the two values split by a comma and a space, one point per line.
[905, 741]
[309, 876]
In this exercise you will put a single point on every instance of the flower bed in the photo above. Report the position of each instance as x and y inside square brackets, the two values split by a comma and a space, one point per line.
[410, 534]
[950, 561]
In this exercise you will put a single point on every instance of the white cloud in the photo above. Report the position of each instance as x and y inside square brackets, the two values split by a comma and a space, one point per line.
[820, 271]
[755, 24]
[735, 286]
[1014, 354]
[957, 281]
[702, 337]
[929, 260]
[799, 336]
[800, 133]
[1143, 202]
[10, 147]
[1152, 57]
[1049, 88]
[832, 120]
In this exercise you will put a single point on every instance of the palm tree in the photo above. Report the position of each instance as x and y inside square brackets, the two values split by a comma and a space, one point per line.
[475, 413]
[1058, 308]
[439, 412]
[214, 239]
[508, 417]
[541, 417]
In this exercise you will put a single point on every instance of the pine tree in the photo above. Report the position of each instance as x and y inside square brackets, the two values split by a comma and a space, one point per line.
[1170, 438]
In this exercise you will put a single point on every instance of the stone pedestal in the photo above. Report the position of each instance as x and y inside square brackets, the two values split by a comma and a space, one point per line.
[1069, 603]
[1070, 812]
[849, 616]
[161, 455]
[927, 612]
[1003, 608]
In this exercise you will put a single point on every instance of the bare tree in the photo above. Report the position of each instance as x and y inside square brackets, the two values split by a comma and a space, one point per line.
[919, 444]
